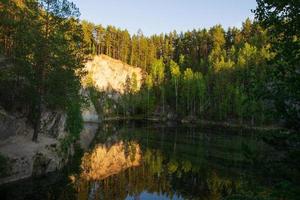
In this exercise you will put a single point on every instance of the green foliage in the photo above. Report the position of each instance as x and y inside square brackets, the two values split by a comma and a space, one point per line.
[175, 70]
[175, 78]
[95, 97]
[172, 166]
[157, 71]
[214, 74]
[200, 90]
[42, 40]
[234, 66]
[188, 89]
[74, 120]
[133, 84]
[282, 20]
[74, 124]
[3, 165]
[235, 74]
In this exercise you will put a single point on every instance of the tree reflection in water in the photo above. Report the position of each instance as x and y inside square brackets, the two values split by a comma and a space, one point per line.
[170, 163]
[120, 171]
[106, 161]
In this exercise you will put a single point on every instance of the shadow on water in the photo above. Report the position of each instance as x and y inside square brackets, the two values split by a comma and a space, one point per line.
[126, 160]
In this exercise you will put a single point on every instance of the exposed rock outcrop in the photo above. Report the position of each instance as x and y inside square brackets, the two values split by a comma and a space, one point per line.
[25, 158]
[106, 73]
[11, 125]
[53, 124]
[88, 112]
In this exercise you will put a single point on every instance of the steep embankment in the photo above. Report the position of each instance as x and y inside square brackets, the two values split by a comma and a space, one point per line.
[22, 158]
[106, 73]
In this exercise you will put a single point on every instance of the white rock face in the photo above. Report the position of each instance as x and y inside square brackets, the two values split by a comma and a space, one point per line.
[89, 113]
[25, 158]
[110, 74]
[53, 124]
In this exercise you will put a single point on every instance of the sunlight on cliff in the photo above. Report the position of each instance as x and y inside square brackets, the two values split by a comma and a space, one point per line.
[105, 161]
[105, 73]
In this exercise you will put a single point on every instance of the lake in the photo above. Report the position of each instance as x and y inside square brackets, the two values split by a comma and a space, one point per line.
[140, 161]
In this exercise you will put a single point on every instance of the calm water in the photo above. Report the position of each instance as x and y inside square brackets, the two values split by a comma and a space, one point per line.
[138, 161]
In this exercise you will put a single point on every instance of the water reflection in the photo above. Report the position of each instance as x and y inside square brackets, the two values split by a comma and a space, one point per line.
[105, 161]
[131, 162]
[124, 171]
[87, 135]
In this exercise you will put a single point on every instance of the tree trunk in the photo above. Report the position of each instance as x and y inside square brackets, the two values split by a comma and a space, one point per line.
[40, 76]
[194, 110]
[148, 104]
[163, 95]
[176, 96]
[37, 122]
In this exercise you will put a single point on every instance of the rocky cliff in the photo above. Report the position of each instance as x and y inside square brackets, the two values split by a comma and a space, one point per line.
[88, 112]
[106, 73]
[22, 158]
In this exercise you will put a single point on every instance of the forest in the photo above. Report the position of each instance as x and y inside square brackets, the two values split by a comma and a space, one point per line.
[247, 75]
[212, 74]
[207, 113]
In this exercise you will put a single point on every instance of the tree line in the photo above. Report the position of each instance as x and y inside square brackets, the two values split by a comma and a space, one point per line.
[212, 74]
[248, 74]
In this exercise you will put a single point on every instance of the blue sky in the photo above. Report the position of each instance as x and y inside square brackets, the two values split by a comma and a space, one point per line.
[163, 16]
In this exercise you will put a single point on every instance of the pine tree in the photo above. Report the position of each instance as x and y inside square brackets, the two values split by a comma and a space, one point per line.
[55, 22]
[175, 74]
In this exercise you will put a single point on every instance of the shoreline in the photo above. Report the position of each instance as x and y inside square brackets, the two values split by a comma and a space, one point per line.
[206, 123]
